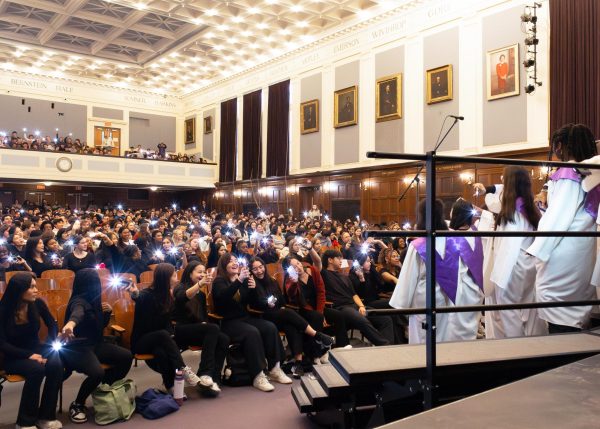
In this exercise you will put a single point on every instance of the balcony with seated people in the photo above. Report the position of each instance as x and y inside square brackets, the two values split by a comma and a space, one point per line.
[66, 159]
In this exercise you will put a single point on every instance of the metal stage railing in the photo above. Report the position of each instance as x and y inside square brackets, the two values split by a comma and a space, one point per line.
[431, 160]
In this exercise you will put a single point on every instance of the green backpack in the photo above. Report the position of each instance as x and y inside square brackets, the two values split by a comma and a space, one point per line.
[115, 402]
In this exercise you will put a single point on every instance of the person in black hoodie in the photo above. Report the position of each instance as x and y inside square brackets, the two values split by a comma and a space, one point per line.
[20, 314]
[153, 331]
[132, 261]
[192, 327]
[86, 316]
[268, 298]
[259, 338]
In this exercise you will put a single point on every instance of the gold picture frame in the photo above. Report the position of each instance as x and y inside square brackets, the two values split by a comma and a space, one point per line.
[439, 84]
[345, 103]
[502, 72]
[309, 117]
[190, 130]
[208, 129]
[388, 98]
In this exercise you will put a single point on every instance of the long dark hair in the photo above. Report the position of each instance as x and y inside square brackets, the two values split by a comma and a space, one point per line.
[222, 265]
[576, 141]
[87, 288]
[17, 286]
[438, 213]
[517, 183]
[186, 277]
[30, 246]
[161, 285]
[462, 214]
[267, 282]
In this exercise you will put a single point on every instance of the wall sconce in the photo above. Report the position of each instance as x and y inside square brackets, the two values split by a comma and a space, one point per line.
[366, 184]
[263, 191]
[237, 193]
[326, 187]
[467, 178]
[291, 189]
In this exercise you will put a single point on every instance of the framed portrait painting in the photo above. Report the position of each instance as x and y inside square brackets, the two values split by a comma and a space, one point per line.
[208, 125]
[190, 130]
[388, 96]
[345, 105]
[503, 72]
[439, 84]
[309, 117]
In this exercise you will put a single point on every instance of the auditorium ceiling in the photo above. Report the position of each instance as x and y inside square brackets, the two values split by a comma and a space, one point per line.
[175, 45]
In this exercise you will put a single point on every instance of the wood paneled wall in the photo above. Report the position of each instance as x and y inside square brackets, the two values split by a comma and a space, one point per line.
[378, 189]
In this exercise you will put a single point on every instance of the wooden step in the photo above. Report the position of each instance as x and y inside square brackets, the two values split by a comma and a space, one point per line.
[331, 380]
[314, 391]
[301, 399]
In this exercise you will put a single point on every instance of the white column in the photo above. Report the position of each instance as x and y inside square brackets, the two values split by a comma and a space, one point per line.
[124, 132]
[89, 131]
[294, 149]
[240, 136]
[470, 84]
[264, 123]
[327, 130]
[180, 134]
[366, 104]
[414, 96]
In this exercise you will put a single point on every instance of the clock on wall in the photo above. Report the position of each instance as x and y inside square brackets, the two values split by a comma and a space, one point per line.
[64, 164]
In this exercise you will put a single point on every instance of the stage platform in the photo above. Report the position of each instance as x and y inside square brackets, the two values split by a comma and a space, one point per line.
[565, 397]
[374, 376]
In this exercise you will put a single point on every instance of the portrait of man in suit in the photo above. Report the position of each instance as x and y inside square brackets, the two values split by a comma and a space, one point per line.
[309, 117]
[388, 102]
[439, 84]
[345, 107]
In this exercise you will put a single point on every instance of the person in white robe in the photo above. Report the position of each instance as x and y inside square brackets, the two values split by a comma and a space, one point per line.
[565, 264]
[410, 291]
[509, 273]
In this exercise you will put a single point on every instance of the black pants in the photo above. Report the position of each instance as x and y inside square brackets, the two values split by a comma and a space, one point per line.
[30, 408]
[292, 324]
[214, 345]
[561, 329]
[167, 357]
[379, 330]
[315, 320]
[87, 360]
[399, 321]
[336, 319]
[259, 339]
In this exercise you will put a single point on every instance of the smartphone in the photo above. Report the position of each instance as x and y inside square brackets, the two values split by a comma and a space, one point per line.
[125, 284]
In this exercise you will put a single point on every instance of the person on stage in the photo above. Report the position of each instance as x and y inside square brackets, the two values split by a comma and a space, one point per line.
[565, 264]
[509, 272]
[459, 277]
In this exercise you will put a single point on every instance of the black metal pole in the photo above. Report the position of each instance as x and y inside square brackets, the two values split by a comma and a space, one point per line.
[430, 342]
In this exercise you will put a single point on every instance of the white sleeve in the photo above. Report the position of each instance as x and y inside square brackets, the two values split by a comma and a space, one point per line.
[407, 280]
[562, 208]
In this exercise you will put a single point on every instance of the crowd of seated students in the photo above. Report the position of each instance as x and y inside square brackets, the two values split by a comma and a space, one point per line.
[69, 144]
[237, 250]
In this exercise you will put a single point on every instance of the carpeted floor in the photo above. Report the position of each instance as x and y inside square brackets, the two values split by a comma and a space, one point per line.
[240, 407]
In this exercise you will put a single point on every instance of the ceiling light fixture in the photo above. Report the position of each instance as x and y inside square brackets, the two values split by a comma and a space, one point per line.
[297, 8]
[237, 19]
[223, 27]
[302, 24]
[210, 12]
[253, 10]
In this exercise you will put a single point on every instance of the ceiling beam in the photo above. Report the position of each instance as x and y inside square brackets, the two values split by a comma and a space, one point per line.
[116, 32]
[58, 21]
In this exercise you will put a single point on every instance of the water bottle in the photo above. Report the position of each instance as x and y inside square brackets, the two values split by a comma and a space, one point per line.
[178, 387]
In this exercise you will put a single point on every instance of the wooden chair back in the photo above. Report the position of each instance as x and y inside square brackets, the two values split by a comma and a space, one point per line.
[46, 284]
[124, 312]
[58, 274]
[9, 274]
[152, 267]
[65, 283]
[143, 285]
[147, 276]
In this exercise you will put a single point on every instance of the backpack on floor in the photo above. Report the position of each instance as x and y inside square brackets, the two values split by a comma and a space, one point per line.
[115, 402]
[154, 404]
[236, 369]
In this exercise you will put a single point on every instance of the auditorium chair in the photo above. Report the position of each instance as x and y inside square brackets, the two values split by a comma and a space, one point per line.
[123, 312]
[58, 274]
[147, 276]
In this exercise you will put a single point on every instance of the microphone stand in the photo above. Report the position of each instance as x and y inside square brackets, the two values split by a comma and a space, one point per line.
[417, 178]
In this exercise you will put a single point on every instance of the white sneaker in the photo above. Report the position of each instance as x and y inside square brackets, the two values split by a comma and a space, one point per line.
[206, 381]
[190, 376]
[49, 424]
[25, 427]
[316, 361]
[349, 346]
[277, 374]
[262, 383]
[325, 358]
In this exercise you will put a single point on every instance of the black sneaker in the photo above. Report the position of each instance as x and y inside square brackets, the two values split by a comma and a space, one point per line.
[297, 370]
[324, 340]
[78, 413]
